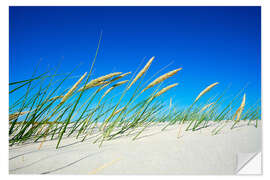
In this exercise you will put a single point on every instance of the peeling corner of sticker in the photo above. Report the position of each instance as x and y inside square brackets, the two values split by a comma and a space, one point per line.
[249, 163]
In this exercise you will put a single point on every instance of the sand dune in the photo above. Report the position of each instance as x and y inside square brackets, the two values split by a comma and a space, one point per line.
[154, 152]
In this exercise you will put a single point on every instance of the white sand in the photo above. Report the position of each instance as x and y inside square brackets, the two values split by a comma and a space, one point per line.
[154, 152]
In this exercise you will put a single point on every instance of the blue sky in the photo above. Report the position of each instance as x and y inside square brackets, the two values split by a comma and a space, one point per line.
[211, 44]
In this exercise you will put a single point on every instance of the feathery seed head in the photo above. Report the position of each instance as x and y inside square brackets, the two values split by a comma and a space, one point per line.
[241, 108]
[116, 112]
[161, 78]
[165, 89]
[100, 81]
[120, 76]
[145, 68]
[243, 102]
[205, 91]
[69, 93]
[106, 77]
[17, 114]
[205, 107]
[114, 86]
[106, 92]
[56, 97]
[119, 83]
[125, 74]
[105, 85]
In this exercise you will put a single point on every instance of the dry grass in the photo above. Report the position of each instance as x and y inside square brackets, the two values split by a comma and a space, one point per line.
[145, 68]
[119, 110]
[17, 114]
[206, 90]
[99, 81]
[116, 121]
[119, 77]
[205, 107]
[74, 87]
[56, 97]
[165, 89]
[240, 109]
[161, 78]
[114, 86]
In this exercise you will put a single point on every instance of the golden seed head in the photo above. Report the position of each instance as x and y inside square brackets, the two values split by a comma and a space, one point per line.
[240, 109]
[205, 107]
[56, 97]
[105, 85]
[69, 93]
[162, 78]
[114, 86]
[108, 76]
[146, 67]
[243, 102]
[17, 114]
[165, 89]
[99, 81]
[116, 112]
[106, 92]
[94, 84]
[120, 76]
[119, 83]
[205, 91]
[125, 74]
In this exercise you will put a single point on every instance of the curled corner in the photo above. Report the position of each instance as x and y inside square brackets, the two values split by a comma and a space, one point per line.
[249, 163]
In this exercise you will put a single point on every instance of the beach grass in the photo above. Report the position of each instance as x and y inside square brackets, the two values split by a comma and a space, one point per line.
[46, 111]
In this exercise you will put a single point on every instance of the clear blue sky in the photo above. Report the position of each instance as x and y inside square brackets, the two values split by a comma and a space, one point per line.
[211, 44]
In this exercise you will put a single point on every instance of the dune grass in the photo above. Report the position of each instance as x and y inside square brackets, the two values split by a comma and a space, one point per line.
[87, 107]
